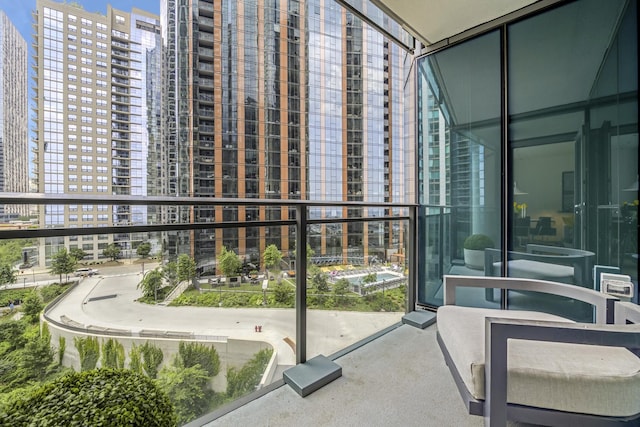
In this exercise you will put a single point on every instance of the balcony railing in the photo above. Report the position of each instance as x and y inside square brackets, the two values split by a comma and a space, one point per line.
[316, 320]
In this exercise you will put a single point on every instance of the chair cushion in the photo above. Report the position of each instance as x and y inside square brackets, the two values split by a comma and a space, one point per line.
[578, 378]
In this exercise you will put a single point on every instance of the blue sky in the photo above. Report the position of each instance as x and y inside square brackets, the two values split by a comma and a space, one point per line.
[19, 11]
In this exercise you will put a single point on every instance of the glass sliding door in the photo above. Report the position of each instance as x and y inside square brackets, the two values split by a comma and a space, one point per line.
[573, 142]
[559, 182]
[459, 145]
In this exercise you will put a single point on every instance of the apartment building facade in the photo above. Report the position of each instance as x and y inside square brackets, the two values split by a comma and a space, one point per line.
[281, 100]
[97, 118]
[14, 143]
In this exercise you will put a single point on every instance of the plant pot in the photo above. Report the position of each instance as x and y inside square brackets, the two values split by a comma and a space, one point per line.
[474, 259]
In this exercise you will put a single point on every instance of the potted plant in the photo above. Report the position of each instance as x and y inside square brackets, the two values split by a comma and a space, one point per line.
[474, 247]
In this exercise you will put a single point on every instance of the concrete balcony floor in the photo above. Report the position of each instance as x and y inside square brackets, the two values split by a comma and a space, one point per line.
[398, 379]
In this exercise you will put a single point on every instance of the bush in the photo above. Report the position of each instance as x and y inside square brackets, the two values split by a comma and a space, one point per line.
[246, 379]
[478, 242]
[193, 353]
[98, 397]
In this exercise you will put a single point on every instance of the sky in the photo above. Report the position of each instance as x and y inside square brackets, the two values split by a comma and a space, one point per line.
[19, 11]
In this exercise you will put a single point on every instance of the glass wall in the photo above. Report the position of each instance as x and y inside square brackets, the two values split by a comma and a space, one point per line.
[568, 112]
[460, 157]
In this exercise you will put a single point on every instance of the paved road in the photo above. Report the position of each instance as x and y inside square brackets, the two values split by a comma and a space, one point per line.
[327, 331]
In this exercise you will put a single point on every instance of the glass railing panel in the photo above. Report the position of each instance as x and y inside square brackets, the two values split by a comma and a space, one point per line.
[165, 294]
[358, 291]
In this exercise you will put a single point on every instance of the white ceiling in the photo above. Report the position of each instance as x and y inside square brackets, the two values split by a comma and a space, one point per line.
[431, 21]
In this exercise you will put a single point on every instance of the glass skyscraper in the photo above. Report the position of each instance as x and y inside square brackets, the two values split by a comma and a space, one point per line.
[281, 100]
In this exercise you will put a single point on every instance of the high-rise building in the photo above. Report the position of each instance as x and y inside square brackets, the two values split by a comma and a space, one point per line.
[281, 100]
[97, 117]
[14, 142]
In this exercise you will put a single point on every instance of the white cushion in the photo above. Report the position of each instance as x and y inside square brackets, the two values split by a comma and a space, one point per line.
[586, 379]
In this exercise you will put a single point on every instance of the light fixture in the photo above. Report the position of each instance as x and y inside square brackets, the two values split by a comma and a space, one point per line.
[517, 191]
[633, 187]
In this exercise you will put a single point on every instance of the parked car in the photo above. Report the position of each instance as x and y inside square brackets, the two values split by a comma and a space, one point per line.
[84, 272]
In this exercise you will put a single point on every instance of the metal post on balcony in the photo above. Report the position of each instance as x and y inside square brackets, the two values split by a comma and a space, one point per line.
[301, 284]
[412, 259]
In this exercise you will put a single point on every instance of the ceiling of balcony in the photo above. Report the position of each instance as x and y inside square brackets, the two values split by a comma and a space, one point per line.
[431, 21]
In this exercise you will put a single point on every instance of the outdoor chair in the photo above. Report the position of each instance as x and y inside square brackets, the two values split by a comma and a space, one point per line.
[539, 368]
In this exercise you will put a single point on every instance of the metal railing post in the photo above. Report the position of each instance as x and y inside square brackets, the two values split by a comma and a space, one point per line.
[412, 259]
[301, 284]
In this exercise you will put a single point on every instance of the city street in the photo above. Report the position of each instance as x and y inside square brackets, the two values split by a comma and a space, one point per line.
[108, 300]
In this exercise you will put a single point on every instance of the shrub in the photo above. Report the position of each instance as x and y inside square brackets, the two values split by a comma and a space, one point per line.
[97, 397]
[89, 351]
[194, 353]
[246, 379]
[478, 242]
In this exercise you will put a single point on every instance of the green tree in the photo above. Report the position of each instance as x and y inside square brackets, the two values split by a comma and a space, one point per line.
[112, 251]
[370, 278]
[152, 357]
[12, 333]
[89, 351]
[62, 347]
[310, 253]
[271, 256]
[38, 355]
[341, 287]
[170, 273]
[77, 253]
[7, 274]
[246, 379]
[151, 283]
[282, 293]
[228, 262]
[320, 280]
[11, 250]
[186, 268]
[112, 354]
[144, 249]
[187, 390]
[62, 263]
[93, 398]
[32, 306]
[135, 361]
[193, 353]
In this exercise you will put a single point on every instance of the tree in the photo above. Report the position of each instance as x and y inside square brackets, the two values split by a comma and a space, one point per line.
[151, 283]
[97, 397]
[89, 351]
[112, 354]
[282, 293]
[112, 251]
[62, 263]
[77, 253]
[152, 357]
[370, 278]
[272, 256]
[320, 280]
[186, 268]
[7, 274]
[32, 306]
[310, 253]
[187, 391]
[135, 361]
[228, 262]
[170, 273]
[341, 287]
[38, 355]
[144, 249]
[192, 354]
[246, 379]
